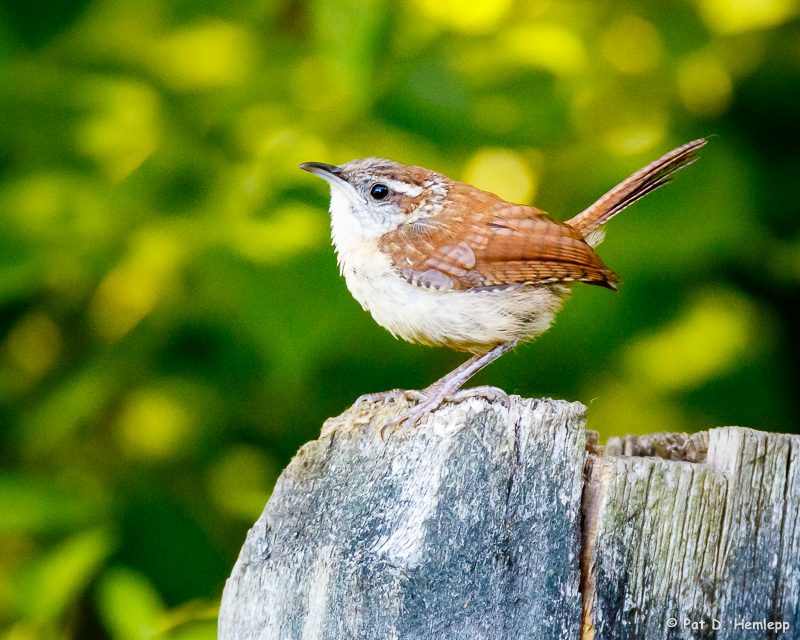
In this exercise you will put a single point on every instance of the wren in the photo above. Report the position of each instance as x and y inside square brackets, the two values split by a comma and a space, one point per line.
[440, 262]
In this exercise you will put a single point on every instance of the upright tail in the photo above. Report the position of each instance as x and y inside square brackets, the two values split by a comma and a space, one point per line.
[653, 176]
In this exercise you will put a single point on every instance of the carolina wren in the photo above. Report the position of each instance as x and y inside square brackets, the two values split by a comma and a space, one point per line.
[439, 262]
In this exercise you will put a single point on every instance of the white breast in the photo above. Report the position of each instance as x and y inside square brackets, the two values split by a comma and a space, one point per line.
[473, 321]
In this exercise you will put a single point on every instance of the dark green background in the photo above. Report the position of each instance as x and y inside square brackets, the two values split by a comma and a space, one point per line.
[172, 322]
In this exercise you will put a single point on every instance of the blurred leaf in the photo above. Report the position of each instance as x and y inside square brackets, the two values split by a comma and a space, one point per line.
[293, 230]
[626, 122]
[50, 17]
[503, 172]
[471, 16]
[129, 605]
[705, 86]
[31, 349]
[717, 333]
[632, 45]
[125, 128]
[189, 618]
[59, 578]
[154, 424]
[39, 506]
[550, 47]
[71, 404]
[619, 408]
[18, 279]
[196, 631]
[131, 290]
[348, 34]
[212, 54]
[56, 208]
[733, 16]
[241, 482]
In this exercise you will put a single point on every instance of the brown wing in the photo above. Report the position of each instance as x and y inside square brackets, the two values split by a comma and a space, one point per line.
[498, 244]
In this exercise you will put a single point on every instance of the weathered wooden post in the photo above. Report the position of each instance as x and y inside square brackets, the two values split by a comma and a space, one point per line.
[499, 522]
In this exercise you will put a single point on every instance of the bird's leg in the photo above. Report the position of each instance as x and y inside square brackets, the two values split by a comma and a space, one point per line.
[448, 389]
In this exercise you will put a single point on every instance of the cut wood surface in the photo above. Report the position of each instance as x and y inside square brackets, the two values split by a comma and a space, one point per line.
[488, 521]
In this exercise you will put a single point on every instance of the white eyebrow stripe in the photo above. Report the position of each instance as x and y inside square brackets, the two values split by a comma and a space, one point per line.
[411, 190]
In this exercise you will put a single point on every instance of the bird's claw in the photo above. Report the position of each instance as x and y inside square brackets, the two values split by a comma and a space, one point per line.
[491, 393]
[410, 417]
[381, 396]
[432, 398]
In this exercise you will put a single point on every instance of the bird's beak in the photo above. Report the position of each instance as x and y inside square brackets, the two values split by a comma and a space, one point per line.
[334, 176]
[328, 172]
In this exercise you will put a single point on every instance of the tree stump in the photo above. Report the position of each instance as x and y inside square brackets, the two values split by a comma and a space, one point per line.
[500, 522]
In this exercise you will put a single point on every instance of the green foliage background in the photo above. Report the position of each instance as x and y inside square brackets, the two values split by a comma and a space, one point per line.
[172, 322]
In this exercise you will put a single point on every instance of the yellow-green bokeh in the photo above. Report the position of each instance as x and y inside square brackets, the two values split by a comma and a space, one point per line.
[173, 325]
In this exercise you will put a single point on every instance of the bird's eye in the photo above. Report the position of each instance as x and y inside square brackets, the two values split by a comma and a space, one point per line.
[379, 191]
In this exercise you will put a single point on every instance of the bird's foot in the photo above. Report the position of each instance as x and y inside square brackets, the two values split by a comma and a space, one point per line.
[434, 397]
[490, 393]
[389, 396]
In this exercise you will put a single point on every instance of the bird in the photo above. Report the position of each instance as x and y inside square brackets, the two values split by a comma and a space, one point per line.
[440, 262]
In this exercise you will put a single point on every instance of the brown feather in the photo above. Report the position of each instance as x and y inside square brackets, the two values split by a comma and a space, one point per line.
[644, 181]
[495, 244]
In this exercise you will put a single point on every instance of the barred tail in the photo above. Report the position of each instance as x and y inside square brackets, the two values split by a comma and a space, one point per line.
[648, 179]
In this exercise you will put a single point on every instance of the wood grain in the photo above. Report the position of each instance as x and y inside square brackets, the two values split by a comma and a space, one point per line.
[426, 536]
[494, 522]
